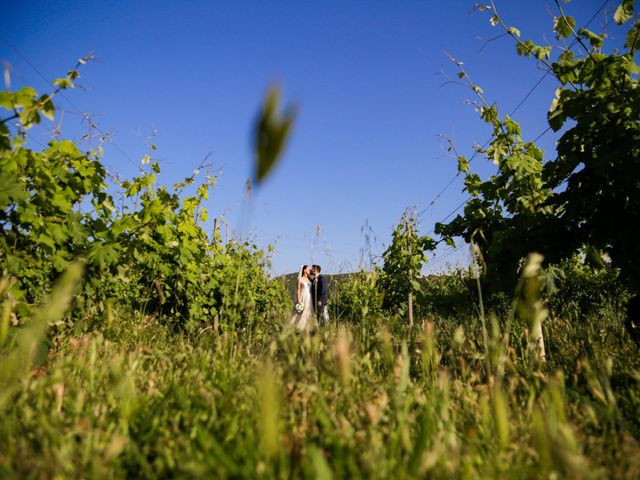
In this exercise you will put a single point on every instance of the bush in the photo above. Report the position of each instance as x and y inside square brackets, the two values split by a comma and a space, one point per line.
[452, 293]
[581, 291]
[152, 254]
[356, 297]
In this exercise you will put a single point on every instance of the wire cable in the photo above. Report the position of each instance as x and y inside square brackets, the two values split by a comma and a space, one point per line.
[77, 110]
[515, 109]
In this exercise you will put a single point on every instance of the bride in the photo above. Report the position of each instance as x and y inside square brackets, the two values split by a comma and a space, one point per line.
[303, 310]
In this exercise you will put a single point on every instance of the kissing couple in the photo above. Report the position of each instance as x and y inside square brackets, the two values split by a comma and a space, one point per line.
[311, 298]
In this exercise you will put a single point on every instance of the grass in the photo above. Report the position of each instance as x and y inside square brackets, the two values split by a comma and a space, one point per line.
[372, 400]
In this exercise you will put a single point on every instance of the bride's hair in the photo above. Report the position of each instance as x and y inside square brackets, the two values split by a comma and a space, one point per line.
[302, 269]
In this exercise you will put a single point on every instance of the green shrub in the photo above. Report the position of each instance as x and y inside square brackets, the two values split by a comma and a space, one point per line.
[451, 293]
[356, 297]
[581, 290]
[152, 254]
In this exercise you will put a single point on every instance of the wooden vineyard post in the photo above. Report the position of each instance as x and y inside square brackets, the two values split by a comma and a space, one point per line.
[410, 296]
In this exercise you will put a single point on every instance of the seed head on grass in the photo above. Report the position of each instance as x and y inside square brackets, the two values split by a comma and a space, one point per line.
[530, 306]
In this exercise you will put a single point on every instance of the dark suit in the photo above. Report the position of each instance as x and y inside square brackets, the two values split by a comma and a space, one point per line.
[319, 294]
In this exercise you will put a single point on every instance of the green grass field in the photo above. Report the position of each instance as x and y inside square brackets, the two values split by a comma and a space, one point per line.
[372, 399]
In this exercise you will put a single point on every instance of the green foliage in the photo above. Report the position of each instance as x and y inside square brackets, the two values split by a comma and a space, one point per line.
[564, 26]
[403, 261]
[582, 291]
[28, 108]
[151, 254]
[516, 189]
[451, 292]
[587, 195]
[597, 169]
[356, 298]
[45, 222]
[624, 12]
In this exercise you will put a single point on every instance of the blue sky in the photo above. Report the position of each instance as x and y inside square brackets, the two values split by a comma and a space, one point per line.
[367, 78]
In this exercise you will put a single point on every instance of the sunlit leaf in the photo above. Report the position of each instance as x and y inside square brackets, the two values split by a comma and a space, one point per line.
[594, 40]
[624, 12]
[564, 26]
[63, 83]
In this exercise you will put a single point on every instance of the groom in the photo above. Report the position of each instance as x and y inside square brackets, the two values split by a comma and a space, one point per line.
[319, 295]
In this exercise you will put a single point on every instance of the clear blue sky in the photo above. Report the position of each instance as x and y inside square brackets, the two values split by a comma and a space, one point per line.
[365, 75]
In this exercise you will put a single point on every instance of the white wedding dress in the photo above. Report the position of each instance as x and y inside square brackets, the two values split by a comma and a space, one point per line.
[303, 319]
